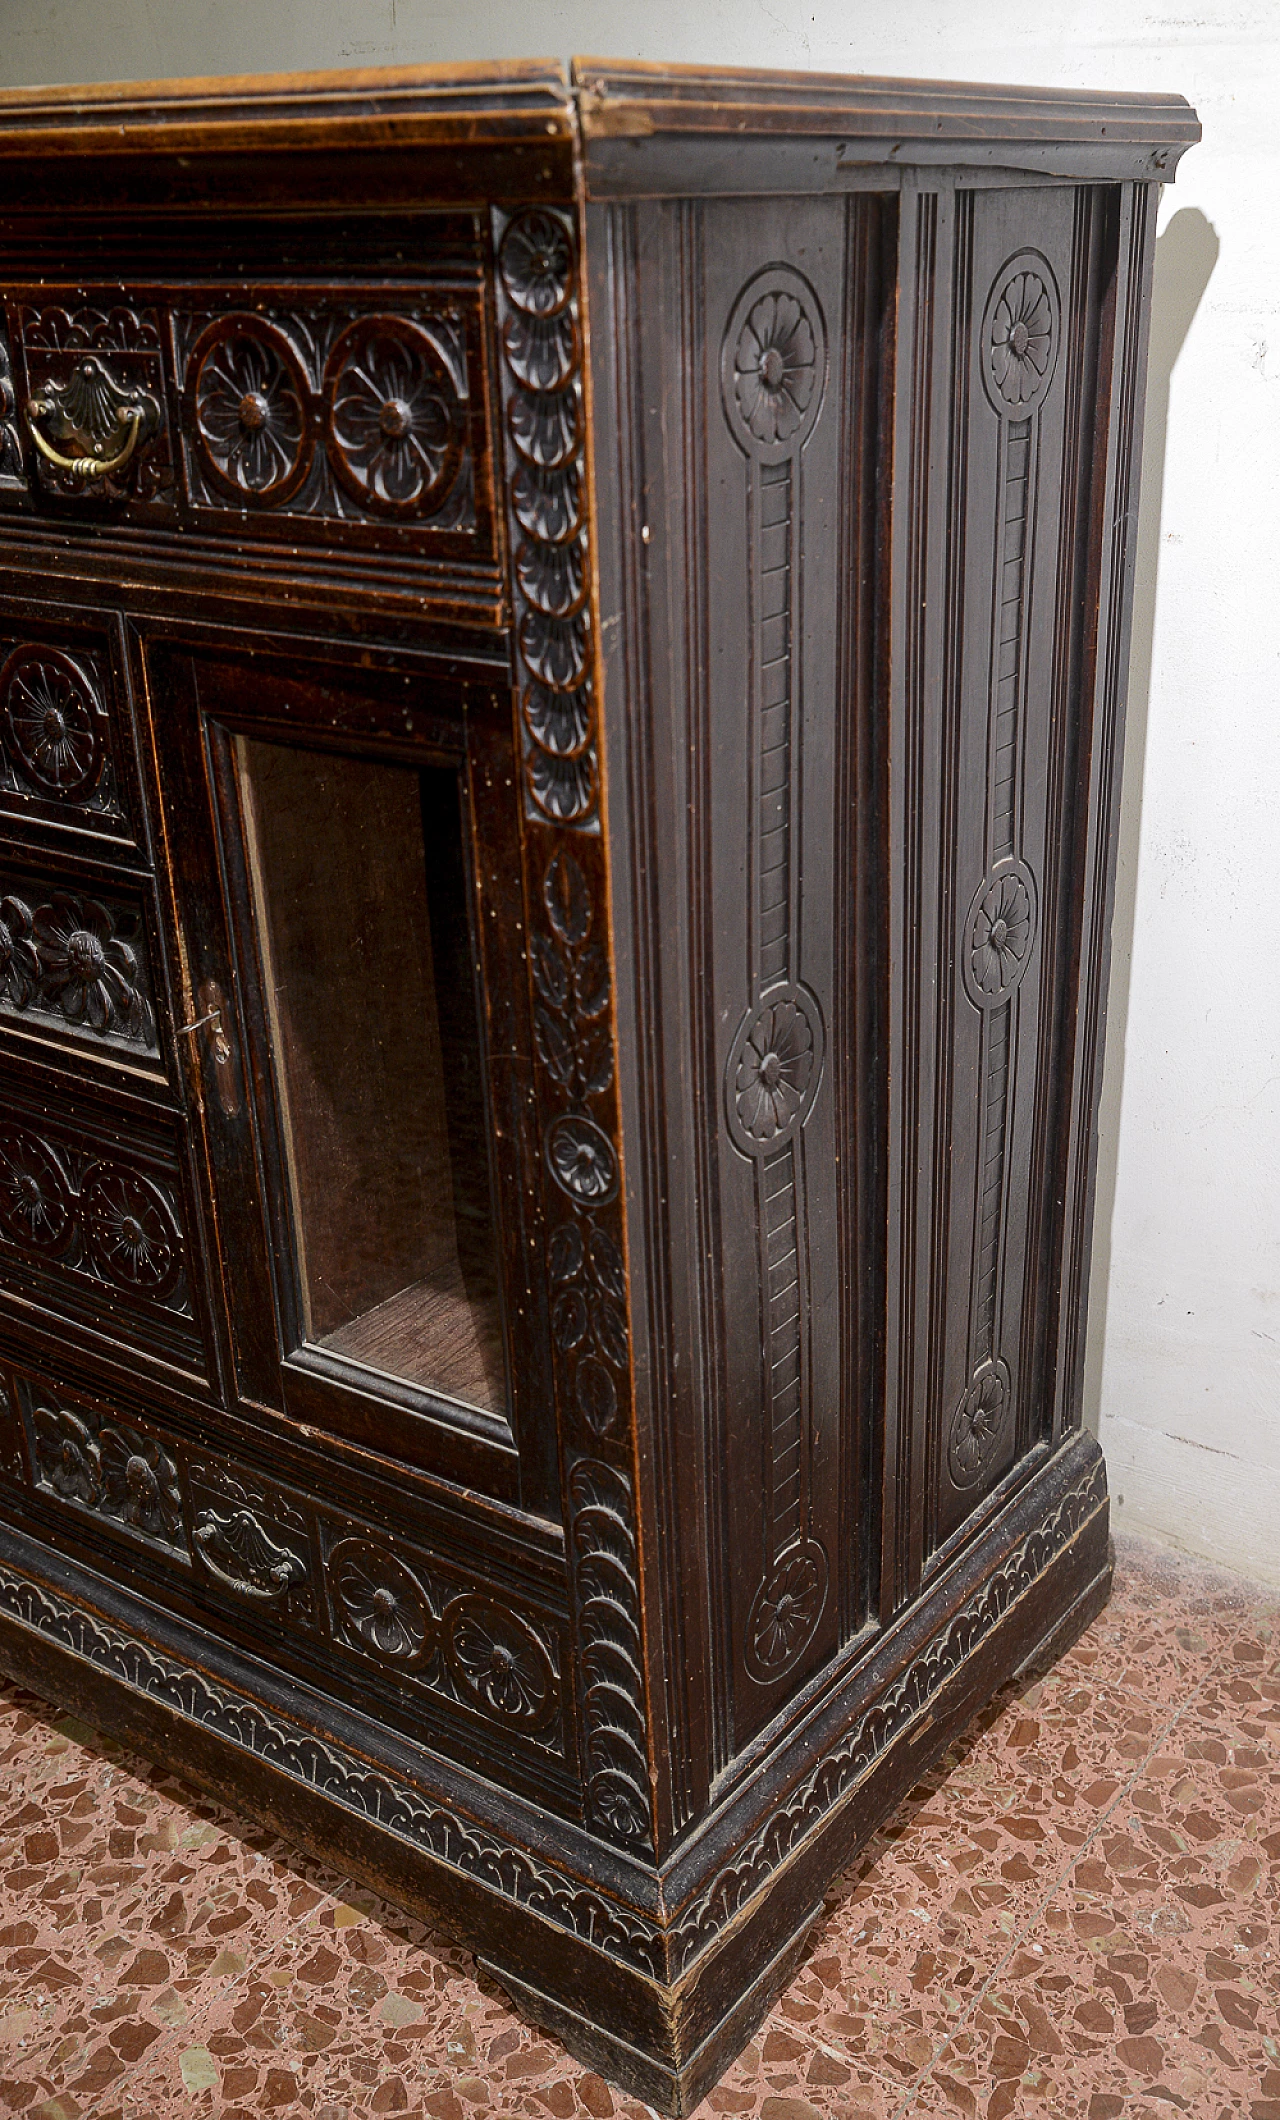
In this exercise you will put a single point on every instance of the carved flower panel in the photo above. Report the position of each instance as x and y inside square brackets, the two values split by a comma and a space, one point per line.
[115, 1469]
[63, 1201]
[312, 410]
[77, 961]
[56, 750]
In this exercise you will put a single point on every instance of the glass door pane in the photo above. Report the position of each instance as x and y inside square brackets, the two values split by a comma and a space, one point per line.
[360, 887]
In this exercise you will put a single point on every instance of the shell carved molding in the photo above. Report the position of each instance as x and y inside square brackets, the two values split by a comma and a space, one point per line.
[537, 285]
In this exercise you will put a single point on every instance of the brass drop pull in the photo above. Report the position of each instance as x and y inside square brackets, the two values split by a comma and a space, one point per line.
[131, 420]
[98, 421]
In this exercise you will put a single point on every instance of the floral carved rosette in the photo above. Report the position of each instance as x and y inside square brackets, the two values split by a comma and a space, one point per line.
[250, 411]
[130, 1231]
[999, 934]
[498, 1664]
[1021, 332]
[53, 724]
[774, 1069]
[786, 1610]
[380, 1603]
[977, 1426]
[773, 366]
[394, 426]
[35, 1203]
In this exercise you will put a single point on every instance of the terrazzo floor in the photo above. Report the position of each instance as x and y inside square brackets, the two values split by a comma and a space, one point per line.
[1076, 1916]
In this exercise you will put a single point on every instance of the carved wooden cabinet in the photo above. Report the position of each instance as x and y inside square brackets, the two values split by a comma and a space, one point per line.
[562, 660]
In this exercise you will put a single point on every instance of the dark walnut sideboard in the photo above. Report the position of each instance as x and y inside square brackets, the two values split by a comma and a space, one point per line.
[562, 660]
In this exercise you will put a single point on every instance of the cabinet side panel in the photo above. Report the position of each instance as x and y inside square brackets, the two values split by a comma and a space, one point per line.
[739, 395]
[995, 538]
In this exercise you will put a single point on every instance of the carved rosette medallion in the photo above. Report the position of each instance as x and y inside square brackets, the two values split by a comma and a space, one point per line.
[60, 1198]
[130, 1231]
[977, 1425]
[379, 1603]
[250, 410]
[537, 285]
[1001, 931]
[35, 1203]
[787, 1608]
[53, 724]
[774, 1069]
[773, 364]
[498, 1664]
[393, 421]
[1021, 332]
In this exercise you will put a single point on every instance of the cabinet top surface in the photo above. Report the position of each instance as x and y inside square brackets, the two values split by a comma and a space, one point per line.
[900, 122]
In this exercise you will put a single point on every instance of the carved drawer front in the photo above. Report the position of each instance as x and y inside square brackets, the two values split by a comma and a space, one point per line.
[318, 415]
[78, 970]
[97, 1229]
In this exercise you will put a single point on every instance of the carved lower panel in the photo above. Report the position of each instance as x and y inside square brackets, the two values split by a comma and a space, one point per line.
[265, 1550]
[632, 1937]
[55, 733]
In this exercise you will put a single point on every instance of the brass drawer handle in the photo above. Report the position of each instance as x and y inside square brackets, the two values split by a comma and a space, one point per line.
[99, 420]
[130, 418]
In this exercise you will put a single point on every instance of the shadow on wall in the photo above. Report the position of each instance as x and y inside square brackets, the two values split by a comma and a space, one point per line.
[1186, 255]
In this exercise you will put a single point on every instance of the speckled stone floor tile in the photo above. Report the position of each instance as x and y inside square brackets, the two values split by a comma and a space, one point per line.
[1074, 1916]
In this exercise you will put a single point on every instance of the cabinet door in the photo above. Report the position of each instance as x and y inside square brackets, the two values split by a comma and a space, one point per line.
[345, 849]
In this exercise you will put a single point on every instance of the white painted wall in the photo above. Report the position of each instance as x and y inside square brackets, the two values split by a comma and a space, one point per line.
[1186, 1306]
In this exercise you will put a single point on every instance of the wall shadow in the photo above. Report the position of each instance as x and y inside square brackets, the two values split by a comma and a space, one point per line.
[1186, 254]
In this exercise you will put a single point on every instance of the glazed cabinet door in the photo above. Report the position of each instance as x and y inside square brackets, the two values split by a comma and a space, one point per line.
[346, 865]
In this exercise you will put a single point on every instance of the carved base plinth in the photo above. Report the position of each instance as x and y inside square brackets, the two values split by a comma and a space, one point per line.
[656, 1977]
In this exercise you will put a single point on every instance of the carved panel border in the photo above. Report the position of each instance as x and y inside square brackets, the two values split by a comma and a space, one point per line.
[539, 301]
[540, 330]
